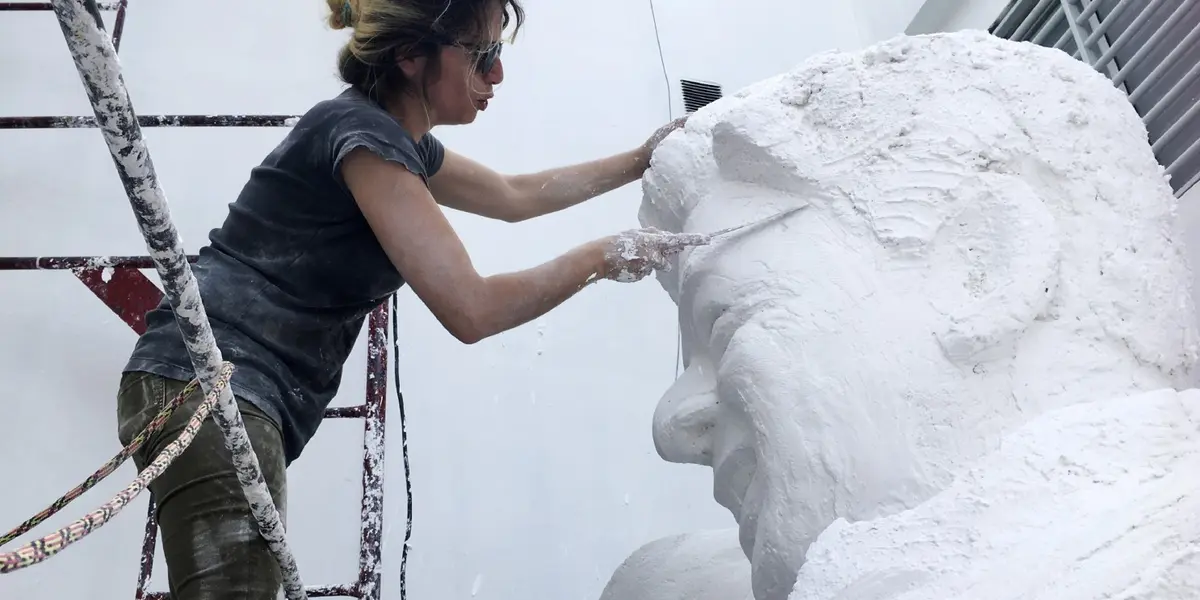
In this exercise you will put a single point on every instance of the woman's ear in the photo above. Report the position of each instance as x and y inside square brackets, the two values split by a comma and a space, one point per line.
[412, 67]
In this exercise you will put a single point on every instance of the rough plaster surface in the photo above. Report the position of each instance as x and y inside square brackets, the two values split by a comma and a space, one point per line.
[989, 238]
[1096, 500]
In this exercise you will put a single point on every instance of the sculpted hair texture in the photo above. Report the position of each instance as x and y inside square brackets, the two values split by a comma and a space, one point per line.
[388, 30]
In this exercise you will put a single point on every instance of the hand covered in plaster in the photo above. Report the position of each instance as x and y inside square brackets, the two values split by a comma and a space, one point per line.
[632, 255]
[658, 136]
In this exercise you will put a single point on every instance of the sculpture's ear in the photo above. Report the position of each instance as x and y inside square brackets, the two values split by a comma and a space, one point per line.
[1008, 240]
[686, 415]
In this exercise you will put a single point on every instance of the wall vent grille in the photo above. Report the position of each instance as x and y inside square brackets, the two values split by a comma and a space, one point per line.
[698, 94]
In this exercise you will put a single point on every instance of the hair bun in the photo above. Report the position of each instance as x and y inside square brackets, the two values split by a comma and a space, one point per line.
[342, 13]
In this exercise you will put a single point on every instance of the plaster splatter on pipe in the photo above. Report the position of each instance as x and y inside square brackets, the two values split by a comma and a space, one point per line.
[370, 557]
[100, 72]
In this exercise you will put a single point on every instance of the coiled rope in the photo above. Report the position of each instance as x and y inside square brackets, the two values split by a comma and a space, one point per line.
[43, 548]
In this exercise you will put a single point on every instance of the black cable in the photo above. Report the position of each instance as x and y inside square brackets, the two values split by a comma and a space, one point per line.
[396, 361]
[662, 60]
[403, 445]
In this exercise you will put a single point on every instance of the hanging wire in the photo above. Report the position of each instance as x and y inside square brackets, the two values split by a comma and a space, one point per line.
[396, 358]
[662, 60]
[403, 446]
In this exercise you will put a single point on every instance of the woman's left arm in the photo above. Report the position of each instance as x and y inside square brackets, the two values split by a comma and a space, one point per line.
[466, 185]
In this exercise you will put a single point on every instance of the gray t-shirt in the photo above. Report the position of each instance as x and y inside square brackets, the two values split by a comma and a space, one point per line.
[289, 277]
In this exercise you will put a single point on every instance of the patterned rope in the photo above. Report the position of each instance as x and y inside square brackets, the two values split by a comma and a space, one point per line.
[43, 548]
[104, 471]
[100, 72]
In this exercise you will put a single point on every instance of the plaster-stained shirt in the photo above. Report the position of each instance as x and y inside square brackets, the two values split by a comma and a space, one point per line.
[289, 277]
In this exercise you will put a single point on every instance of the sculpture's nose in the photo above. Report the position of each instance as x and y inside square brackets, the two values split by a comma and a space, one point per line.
[685, 418]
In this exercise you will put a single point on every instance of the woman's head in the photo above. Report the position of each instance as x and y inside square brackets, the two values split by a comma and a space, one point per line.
[440, 56]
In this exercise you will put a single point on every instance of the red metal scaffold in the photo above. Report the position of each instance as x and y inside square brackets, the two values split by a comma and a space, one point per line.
[120, 284]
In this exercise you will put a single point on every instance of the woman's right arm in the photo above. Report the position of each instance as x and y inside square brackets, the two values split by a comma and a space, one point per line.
[423, 246]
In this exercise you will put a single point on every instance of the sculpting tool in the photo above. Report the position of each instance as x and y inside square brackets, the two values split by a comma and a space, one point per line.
[703, 239]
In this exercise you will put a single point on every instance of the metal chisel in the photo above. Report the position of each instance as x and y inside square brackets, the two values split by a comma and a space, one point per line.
[701, 239]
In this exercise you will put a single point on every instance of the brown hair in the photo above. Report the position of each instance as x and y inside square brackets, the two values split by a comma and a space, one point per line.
[388, 30]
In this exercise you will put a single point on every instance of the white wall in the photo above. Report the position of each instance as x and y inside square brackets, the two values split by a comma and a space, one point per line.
[1189, 221]
[954, 15]
[882, 20]
[737, 43]
[533, 468]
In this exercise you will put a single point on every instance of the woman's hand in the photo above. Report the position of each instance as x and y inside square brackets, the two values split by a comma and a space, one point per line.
[647, 149]
[632, 255]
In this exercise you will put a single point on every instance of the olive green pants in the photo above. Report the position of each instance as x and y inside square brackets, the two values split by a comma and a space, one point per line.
[209, 538]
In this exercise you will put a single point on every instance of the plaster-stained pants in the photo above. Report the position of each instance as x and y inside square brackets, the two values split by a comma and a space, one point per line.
[210, 539]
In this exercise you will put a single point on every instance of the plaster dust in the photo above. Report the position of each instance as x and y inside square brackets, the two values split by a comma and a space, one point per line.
[990, 238]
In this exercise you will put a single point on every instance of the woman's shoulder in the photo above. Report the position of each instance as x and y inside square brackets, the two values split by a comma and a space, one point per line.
[350, 120]
[349, 105]
[350, 114]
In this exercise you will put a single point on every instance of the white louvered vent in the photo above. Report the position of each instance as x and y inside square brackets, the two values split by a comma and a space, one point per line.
[1149, 48]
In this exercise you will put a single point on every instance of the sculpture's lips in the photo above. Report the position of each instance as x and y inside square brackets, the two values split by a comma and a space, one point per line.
[733, 473]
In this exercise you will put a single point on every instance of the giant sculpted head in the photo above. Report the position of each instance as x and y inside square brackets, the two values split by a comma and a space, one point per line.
[987, 236]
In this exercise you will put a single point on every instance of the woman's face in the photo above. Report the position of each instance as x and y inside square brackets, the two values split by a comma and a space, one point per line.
[466, 76]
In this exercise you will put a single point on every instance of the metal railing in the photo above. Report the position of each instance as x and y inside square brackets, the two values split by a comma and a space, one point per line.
[118, 282]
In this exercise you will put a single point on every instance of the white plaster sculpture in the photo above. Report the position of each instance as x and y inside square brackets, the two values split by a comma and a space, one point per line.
[988, 239]
[687, 566]
[1096, 500]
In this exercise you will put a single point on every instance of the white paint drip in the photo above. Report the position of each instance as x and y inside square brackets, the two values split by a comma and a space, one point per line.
[990, 238]
[99, 262]
[541, 338]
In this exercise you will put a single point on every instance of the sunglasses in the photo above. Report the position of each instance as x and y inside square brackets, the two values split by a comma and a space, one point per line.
[485, 57]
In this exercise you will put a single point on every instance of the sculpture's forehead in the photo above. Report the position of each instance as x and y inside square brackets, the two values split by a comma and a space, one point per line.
[827, 109]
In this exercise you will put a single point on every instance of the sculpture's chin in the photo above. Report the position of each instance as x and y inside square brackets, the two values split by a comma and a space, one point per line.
[765, 521]
[748, 519]
[774, 563]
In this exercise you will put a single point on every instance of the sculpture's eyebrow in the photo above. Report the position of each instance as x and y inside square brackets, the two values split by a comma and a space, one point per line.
[691, 283]
[714, 305]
